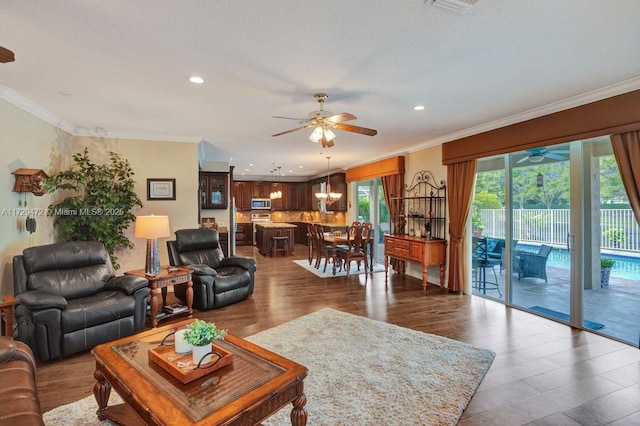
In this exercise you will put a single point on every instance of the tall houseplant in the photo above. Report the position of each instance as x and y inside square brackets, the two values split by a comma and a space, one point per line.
[101, 204]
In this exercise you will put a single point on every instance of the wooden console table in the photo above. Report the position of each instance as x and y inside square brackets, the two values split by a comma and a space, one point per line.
[415, 249]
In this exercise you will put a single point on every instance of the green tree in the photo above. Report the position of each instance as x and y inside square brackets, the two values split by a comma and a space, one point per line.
[101, 204]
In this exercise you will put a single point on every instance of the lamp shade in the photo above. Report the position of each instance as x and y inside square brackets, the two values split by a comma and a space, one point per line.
[152, 226]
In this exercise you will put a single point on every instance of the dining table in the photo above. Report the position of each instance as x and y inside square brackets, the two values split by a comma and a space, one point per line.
[341, 238]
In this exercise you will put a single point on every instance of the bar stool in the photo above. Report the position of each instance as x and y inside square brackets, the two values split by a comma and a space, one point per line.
[275, 248]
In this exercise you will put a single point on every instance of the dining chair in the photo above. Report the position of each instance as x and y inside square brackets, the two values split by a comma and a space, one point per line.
[355, 250]
[310, 241]
[324, 250]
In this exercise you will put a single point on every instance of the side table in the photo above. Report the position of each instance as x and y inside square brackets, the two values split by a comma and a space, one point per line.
[177, 275]
[7, 302]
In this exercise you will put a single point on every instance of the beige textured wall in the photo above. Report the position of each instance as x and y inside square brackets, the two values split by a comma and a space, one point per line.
[24, 142]
[150, 159]
[27, 141]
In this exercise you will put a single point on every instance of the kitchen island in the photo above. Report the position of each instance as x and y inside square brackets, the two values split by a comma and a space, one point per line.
[264, 232]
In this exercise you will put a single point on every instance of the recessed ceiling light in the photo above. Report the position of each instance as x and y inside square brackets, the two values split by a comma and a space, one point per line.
[250, 164]
[301, 167]
[196, 79]
[418, 107]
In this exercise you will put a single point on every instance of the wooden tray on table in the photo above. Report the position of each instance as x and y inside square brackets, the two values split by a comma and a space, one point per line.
[181, 366]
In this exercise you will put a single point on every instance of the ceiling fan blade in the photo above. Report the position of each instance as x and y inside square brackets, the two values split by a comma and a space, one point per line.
[522, 160]
[289, 118]
[6, 55]
[555, 156]
[356, 129]
[292, 130]
[343, 116]
[559, 151]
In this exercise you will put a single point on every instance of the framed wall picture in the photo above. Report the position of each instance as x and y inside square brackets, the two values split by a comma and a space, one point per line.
[161, 189]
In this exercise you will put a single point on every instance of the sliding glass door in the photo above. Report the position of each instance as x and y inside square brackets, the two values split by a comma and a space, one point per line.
[371, 207]
[571, 245]
[541, 212]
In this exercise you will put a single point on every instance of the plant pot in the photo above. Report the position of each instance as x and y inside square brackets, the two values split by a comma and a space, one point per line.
[201, 354]
[182, 346]
[477, 233]
[605, 274]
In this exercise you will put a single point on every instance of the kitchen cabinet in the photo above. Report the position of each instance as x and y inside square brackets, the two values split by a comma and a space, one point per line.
[224, 242]
[298, 196]
[244, 234]
[242, 195]
[214, 190]
[260, 189]
[264, 232]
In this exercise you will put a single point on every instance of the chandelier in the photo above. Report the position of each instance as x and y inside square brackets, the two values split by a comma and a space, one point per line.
[325, 195]
[277, 194]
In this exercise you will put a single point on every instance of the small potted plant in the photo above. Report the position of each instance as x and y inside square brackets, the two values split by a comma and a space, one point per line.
[200, 336]
[606, 265]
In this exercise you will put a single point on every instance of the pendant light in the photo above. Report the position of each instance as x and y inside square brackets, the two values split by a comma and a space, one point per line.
[326, 195]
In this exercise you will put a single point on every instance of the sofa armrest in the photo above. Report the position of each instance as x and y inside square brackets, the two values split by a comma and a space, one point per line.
[38, 300]
[127, 284]
[203, 270]
[241, 261]
[11, 350]
[7, 349]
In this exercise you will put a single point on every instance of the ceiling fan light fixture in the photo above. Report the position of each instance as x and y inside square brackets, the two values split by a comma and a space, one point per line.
[536, 158]
[316, 135]
[328, 134]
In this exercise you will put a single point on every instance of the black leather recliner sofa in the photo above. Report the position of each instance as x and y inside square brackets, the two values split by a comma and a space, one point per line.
[69, 299]
[217, 280]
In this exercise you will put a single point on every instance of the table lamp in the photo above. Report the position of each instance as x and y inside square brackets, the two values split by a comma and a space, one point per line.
[152, 227]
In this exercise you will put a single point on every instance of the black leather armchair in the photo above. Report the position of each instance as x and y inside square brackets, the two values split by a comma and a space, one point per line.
[69, 299]
[217, 280]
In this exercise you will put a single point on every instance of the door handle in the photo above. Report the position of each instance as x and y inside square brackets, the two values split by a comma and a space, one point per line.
[570, 241]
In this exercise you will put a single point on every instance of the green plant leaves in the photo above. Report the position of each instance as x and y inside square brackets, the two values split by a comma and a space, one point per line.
[100, 208]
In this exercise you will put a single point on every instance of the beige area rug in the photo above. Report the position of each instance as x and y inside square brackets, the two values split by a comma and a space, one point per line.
[329, 274]
[361, 372]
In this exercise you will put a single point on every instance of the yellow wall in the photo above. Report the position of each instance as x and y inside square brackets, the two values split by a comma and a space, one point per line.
[150, 159]
[27, 141]
[24, 142]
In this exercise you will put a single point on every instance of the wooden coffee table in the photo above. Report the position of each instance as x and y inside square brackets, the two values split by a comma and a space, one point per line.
[257, 384]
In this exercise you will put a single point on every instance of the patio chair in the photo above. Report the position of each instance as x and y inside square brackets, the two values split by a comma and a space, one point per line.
[481, 262]
[533, 265]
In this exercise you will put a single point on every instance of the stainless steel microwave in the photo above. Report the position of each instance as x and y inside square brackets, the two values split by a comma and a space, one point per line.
[260, 204]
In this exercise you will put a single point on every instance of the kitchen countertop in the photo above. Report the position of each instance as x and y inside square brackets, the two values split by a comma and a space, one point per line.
[276, 225]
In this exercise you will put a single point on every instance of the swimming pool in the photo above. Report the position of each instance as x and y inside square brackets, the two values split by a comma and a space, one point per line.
[625, 267]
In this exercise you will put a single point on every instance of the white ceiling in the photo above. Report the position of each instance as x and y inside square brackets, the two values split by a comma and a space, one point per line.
[120, 67]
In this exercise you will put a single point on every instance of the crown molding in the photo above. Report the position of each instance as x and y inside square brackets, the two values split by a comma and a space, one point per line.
[34, 109]
[572, 102]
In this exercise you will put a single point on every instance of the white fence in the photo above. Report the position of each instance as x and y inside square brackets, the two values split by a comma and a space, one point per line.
[620, 231]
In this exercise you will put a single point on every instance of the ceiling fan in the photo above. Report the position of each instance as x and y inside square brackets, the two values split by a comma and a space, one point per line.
[536, 155]
[6, 55]
[324, 121]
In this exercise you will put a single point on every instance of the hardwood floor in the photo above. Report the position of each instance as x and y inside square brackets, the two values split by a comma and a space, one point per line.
[544, 373]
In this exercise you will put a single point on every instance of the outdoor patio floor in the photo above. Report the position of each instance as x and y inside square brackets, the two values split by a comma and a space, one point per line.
[616, 306]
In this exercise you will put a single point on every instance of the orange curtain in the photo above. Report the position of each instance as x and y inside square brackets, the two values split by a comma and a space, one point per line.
[460, 179]
[393, 187]
[626, 148]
